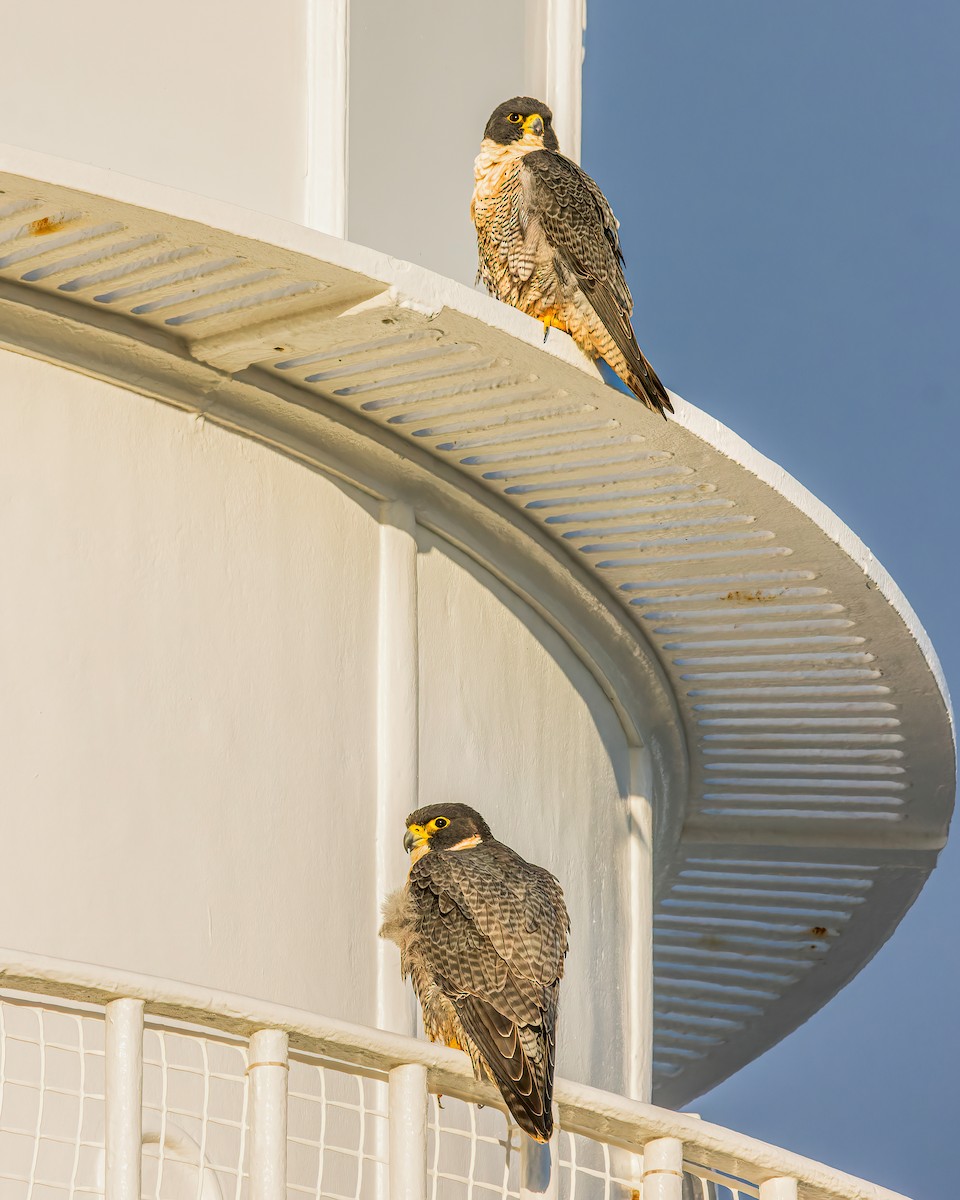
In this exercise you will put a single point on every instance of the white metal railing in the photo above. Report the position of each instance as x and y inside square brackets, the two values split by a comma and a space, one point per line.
[122, 1085]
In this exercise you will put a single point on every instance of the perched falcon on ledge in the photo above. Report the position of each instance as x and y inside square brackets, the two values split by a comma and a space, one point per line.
[549, 246]
[483, 934]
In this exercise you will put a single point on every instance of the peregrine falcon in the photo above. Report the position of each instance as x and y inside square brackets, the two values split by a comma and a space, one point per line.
[483, 934]
[549, 245]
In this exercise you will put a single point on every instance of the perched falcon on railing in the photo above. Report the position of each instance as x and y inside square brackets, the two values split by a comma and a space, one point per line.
[483, 934]
[549, 245]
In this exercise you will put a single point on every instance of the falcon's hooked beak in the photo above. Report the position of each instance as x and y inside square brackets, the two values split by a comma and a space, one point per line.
[534, 124]
[415, 837]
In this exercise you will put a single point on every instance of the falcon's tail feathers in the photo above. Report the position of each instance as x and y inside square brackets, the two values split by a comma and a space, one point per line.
[526, 1086]
[646, 386]
[625, 355]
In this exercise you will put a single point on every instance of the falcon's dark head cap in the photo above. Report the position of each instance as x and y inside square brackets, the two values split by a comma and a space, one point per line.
[443, 827]
[522, 118]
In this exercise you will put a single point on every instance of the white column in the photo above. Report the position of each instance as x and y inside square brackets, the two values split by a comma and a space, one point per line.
[268, 1071]
[640, 956]
[782, 1188]
[566, 20]
[398, 741]
[123, 1103]
[325, 180]
[663, 1169]
[408, 1132]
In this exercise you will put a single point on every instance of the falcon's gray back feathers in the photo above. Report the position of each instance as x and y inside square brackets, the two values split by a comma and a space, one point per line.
[483, 934]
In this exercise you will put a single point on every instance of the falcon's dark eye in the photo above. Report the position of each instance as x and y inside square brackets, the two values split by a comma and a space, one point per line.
[514, 118]
[441, 823]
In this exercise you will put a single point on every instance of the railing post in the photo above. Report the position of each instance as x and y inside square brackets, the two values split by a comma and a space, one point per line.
[268, 1071]
[538, 1165]
[123, 1099]
[663, 1169]
[782, 1188]
[408, 1132]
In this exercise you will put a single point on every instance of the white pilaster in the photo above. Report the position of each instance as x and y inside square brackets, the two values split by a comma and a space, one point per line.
[640, 991]
[398, 740]
[566, 21]
[328, 59]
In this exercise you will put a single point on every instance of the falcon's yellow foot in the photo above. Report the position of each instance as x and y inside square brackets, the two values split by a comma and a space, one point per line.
[454, 1045]
[552, 319]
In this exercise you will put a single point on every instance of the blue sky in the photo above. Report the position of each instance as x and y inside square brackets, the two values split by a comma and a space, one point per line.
[786, 176]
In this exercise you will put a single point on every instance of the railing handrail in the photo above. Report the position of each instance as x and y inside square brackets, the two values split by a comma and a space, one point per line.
[603, 1116]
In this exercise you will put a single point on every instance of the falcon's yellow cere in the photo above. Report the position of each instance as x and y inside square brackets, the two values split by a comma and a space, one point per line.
[483, 935]
[549, 245]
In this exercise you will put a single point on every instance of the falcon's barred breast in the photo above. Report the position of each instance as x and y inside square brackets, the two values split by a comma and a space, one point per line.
[483, 935]
[548, 242]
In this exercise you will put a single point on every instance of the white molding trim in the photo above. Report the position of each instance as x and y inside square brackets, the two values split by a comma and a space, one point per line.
[328, 59]
[566, 21]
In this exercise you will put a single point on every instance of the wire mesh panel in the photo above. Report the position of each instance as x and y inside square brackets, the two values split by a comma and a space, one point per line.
[194, 1117]
[336, 1132]
[51, 1102]
[472, 1153]
[590, 1170]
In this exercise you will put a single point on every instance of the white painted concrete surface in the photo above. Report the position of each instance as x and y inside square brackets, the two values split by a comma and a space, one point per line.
[188, 638]
[209, 97]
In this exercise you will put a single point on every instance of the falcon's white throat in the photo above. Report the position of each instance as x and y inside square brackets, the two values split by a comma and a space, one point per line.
[419, 851]
[466, 843]
[493, 160]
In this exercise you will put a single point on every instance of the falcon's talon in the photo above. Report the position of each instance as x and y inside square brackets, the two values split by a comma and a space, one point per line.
[452, 895]
[548, 243]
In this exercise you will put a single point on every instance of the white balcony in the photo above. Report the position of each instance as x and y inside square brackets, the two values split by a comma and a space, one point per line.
[125, 1086]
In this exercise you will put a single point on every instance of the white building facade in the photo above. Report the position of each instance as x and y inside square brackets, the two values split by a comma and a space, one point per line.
[298, 535]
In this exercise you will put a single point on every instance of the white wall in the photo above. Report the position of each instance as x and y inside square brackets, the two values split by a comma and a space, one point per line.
[424, 78]
[191, 647]
[209, 97]
[187, 649]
